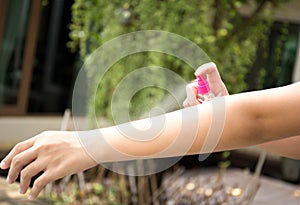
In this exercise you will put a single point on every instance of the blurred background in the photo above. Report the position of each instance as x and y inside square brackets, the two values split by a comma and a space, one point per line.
[43, 44]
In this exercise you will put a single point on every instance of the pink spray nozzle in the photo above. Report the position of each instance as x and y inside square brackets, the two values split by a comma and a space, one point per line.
[203, 86]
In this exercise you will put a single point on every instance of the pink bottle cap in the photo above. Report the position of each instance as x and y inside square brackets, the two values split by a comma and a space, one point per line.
[203, 86]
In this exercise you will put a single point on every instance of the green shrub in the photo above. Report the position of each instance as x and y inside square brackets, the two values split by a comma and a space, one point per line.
[229, 38]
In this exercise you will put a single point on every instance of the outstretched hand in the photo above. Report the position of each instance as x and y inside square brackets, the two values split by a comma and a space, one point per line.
[53, 154]
[216, 84]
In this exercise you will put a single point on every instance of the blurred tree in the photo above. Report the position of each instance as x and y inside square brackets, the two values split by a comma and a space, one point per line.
[228, 37]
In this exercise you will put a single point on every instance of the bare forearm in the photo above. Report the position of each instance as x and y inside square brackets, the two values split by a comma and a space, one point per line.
[267, 115]
[280, 113]
[250, 119]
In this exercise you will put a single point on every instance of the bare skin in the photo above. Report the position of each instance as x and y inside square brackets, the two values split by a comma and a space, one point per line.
[288, 147]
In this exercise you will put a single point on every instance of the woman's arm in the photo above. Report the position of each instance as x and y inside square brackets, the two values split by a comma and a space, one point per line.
[250, 119]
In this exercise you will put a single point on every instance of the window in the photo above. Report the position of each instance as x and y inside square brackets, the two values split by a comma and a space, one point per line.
[19, 22]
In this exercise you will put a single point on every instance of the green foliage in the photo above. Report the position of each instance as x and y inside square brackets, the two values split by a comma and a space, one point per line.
[229, 38]
[95, 193]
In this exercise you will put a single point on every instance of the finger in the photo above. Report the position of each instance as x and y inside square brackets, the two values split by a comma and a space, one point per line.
[27, 173]
[18, 162]
[18, 148]
[191, 94]
[39, 184]
[225, 91]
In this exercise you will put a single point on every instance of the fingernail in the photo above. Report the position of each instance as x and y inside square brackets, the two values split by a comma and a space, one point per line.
[30, 197]
[9, 180]
[2, 165]
[22, 191]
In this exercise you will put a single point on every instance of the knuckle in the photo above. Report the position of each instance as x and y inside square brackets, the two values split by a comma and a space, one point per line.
[40, 184]
[16, 161]
[44, 147]
[19, 147]
[25, 175]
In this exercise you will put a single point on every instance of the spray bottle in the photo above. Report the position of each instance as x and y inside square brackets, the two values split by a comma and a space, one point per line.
[204, 93]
